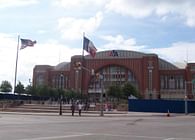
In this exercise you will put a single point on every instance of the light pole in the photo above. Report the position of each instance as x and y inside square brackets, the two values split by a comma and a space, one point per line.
[186, 97]
[150, 68]
[77, 80]
[61, 82]
[101, 95]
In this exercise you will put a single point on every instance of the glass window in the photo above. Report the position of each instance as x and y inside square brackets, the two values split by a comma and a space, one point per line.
[113, 75]
[162, 86]
[40, 79]
[172, 83]
[181, 82]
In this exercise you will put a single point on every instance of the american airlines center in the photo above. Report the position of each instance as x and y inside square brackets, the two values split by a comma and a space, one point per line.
[154, 77]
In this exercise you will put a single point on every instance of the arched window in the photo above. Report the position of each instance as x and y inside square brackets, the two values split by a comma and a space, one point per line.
[112, 75]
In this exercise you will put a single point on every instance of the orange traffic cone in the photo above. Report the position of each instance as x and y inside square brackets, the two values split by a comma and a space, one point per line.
[168, 113]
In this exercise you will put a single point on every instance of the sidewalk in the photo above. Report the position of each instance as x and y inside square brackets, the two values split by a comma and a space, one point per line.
[95, 114]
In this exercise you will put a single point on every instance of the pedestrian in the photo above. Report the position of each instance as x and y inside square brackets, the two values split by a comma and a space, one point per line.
[73, 108]
[80, 108]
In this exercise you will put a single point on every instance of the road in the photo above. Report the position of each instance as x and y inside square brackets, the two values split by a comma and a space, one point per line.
[54, 127]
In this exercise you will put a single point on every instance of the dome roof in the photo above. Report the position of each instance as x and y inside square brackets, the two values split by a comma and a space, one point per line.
[115, 54]
[62, 66]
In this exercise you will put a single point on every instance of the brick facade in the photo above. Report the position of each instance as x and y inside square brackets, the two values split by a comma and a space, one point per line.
[154, 77]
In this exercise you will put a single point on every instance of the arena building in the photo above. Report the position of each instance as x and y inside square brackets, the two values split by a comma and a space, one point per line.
[154, 77]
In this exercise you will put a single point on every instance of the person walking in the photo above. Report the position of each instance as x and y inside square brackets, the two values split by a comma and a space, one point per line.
[80, 108]
[73, 108]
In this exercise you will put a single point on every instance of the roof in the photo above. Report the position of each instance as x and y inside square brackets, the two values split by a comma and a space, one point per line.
[117, 54]
[62, 66]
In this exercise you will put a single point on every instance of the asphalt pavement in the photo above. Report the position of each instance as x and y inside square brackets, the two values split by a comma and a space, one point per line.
[115, 126]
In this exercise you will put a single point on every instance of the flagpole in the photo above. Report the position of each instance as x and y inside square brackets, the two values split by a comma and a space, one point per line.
[16, 67]
[83, 45]
[82, 62]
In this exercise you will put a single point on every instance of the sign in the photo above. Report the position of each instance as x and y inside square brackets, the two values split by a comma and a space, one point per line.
[113, 53]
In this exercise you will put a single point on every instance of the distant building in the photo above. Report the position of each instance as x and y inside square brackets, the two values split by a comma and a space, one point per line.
[154, 77]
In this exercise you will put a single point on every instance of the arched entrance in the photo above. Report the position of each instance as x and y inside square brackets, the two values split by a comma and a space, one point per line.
[111, 75]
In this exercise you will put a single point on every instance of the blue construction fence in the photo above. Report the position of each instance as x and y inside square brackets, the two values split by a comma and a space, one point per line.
[162, 106]
[21, 97]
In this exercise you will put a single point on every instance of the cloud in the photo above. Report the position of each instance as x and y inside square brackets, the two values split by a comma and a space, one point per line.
[119, 42]
[79, 4]
[16, 3]
[8, 54]
[145, 8]
[181, 9]
[73, 28]
[53, 54]
[135, 8]
[177, 52]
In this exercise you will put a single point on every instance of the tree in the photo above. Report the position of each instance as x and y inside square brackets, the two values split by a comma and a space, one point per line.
[70, 94]
[5, 86]
[128, 90]
[114, 92]
[19, 88]
[53, 93]
[30, 90]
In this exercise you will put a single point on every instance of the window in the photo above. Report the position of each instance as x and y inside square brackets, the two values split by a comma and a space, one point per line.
[113, 75]
[171, 83]
[40, 79]
[162, 82]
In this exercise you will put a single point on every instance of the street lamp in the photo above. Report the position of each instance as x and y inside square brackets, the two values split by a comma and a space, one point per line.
[61, 84]
[150, 68]
[101, 78]
[186, 96]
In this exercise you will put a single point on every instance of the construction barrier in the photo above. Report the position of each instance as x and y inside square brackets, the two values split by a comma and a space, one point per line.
[162, 106]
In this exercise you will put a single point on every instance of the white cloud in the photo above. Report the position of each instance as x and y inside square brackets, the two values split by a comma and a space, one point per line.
[50, 53]
[16, 3]
[134, 8]
[144, 8]
[42, 31]
[177, 52]
[73, 28]
[79, 4]
[118, 42]
[7, 56]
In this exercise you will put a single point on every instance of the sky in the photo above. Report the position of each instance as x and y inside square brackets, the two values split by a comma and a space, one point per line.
[163, 27]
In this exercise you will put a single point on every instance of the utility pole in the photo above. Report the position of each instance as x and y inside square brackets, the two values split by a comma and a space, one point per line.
[61, 82]
[186, 96]
[101, 95]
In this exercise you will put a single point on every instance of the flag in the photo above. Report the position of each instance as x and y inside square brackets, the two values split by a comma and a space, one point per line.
[89, 47]
[27, 43]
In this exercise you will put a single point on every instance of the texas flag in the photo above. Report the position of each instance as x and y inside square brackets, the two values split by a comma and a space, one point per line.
[27, 43]
[89, 47]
